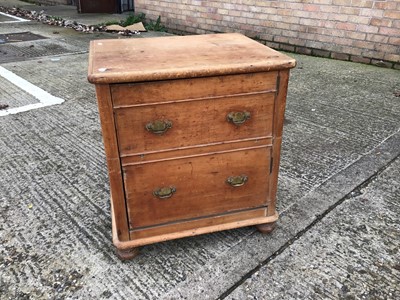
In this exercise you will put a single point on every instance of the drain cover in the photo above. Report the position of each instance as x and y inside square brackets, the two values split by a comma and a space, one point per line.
[19, 37]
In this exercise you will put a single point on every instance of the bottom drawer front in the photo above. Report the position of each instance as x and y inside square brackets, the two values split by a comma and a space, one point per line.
[181, 189]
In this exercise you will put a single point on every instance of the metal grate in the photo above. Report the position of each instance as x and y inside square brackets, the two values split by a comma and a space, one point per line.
[19, 37]
[23, 51]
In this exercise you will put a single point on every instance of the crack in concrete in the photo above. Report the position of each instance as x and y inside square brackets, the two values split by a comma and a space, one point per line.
[351, 195]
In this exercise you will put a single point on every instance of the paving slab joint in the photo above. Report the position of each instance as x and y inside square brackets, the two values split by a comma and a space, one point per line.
[354, 193]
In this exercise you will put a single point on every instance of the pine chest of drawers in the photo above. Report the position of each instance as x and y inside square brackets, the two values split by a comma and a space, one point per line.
[192, 129]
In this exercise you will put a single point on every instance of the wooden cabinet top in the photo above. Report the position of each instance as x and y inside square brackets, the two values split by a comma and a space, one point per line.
[133, 60]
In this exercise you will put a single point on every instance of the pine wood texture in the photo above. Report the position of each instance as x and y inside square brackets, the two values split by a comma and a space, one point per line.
[181, 90]
[132, 60]
[193, 123]
[192, 128]
[113, 160]
[201, 187]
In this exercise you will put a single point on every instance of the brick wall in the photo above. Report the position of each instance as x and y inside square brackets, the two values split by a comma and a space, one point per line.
[357, 30]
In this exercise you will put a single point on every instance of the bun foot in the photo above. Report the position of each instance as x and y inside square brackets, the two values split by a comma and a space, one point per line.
[266, 228]
[127, 254]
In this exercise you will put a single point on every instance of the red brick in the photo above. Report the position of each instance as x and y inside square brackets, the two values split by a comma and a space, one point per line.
[369, 12]
[275, 3]
[319, 15]
[386, 48]
[396, 24]
[340, 56]
[343, 41]
[363, 45]
[392, 14]
[371, 53]
[340, 2]
[322, 2]
[337, 32]
[266, 37]
[312, 29]
[311, 7]
[349, 10]
[315, 44]
[362, 3]
[389, 31]
[303, 50]
[286, 47]
[324, 38]
[381, 63]
[281, 39]
[367, 28]
[359, 20]
[339, 17]
[321, 53]
[392, 57]
[306, 36]
[394, 41]
[360, 59]
[328, 8]
[380, 22]
[385, 5]
[377, 38]
[346, 26]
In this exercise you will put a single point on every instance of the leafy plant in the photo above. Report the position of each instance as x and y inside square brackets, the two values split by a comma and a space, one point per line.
[115, 22]
[133, 19]
[155, 26]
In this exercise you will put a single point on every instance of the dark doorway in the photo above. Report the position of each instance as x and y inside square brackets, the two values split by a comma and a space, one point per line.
[104, 6]
[98, 6]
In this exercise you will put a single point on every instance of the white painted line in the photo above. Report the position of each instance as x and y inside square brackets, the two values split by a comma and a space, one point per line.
[18, 19]
[45, 99]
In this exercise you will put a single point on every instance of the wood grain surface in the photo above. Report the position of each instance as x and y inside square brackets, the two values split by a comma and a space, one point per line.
[131, 60]
[172, 91]
[193, 123]
[113, 160]
[201, 187]
[193, 128]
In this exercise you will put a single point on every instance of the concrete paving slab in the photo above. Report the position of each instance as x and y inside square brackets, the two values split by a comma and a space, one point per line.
[352, 254]
[13, 96]
[54, 200]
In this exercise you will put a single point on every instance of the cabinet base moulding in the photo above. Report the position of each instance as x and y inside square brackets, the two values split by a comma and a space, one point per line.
[123, 246]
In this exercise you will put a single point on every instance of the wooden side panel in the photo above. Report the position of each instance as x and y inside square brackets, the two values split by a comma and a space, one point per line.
[113, 160]
[201, 187]
[279, 114]
[175, 90]
[193, 123]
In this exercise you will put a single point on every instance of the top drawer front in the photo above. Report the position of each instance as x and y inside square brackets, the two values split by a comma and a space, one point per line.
[193, 123]
[172, 90]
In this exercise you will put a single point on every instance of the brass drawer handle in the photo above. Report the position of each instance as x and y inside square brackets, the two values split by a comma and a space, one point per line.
[164, 192]
[238, 117]
[159, 126]
[237, 181]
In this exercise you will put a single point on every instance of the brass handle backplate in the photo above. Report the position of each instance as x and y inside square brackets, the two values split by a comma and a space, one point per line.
[164, 192]
[159, 126]
[237, 181]
[238, 117]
